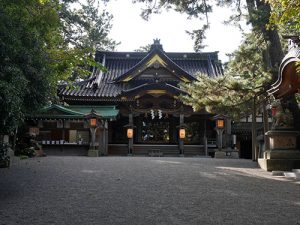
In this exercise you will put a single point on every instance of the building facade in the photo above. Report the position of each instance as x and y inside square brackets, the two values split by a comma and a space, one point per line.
[139, 90]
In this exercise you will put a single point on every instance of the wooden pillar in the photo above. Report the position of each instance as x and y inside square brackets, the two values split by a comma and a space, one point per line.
[205, 139]
[139, 123]
[63, 134]
[254, 130]
[102, 140]
[106, 137]
[172, 130]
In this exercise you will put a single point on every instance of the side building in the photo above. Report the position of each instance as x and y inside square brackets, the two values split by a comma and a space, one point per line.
[139, 90]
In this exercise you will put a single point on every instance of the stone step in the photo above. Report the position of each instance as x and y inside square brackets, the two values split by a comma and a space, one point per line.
[296, 170]
[292, 175]
[277, 173]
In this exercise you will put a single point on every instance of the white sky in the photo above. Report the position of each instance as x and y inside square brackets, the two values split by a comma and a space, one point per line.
[133, 32]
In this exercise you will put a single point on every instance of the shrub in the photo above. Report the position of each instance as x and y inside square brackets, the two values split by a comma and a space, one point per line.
[4, 157]
[30, 152]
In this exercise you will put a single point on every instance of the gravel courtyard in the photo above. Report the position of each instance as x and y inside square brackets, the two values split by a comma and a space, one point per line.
[141, 190]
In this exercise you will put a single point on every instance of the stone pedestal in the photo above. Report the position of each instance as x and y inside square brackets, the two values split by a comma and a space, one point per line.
[93, 153]
[283, 153]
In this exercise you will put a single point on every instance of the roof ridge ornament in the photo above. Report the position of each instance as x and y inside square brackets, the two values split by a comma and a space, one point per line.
[293, 41]
[156, 45]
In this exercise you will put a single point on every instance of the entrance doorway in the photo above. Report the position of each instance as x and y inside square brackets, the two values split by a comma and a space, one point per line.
[246, 149]
[155, 131]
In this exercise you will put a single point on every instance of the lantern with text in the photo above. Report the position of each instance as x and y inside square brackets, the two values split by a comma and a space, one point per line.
[274, 110]
[182, 133]
[93, 122]
[129, 133]
[220, 123]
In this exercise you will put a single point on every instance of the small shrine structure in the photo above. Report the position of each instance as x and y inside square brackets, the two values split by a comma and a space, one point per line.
[284, 152]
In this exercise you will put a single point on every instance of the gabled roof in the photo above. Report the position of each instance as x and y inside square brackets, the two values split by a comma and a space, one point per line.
[157, 58]
[107, 86]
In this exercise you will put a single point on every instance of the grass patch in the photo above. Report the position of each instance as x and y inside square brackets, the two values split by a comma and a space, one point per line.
[23, 157]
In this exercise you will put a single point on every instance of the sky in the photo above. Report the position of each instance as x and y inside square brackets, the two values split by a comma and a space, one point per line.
[133, 32]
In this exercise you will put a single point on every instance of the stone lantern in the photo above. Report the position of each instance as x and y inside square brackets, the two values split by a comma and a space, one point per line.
[95, 122]
[221, 122]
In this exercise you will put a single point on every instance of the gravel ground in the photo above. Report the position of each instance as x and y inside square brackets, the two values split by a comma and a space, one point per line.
[141, 190]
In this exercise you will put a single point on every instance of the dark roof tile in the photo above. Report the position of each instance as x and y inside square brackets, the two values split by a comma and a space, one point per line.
[118, 63]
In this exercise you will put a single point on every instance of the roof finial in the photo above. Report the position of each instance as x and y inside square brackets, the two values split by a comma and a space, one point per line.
[156, 44]
[293, 41]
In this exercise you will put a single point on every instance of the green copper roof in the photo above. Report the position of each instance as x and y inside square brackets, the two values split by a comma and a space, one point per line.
[59, 108]
[104, 111]
[76, 112]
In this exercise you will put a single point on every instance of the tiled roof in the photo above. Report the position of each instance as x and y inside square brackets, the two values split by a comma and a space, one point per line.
[102, 86]
[156, 54]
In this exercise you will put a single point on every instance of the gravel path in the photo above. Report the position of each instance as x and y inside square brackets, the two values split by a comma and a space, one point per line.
[141, 190]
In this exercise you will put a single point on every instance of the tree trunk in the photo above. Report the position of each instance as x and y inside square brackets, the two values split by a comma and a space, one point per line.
[259, 13]
[254, 156]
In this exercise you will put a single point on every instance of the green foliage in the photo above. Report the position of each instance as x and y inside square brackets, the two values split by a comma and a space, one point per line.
[245, 77]
[192, 8]
[24, 73]
[22, 157]
[285, 13]
[43, 42]
[85, 29]
[29, 152]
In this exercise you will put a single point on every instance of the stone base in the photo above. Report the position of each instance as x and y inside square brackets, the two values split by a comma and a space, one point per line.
[282, 139]
[282, 154]
[226, 154]
[279, 164]
[93, 153]
[284, 160]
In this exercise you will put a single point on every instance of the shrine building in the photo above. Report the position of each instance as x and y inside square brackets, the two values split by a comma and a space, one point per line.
[140, 91]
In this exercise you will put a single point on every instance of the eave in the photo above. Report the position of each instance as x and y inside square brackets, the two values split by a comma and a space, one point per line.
[288, 82]
[153, 88]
